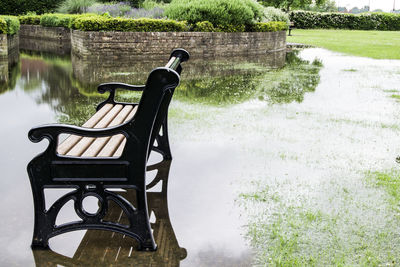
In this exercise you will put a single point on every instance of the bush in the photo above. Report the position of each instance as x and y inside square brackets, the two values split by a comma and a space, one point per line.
[365, 21]
[9, 25]
[29, 19]
[61, 20]
[3, 26]
[124, 10]
[272, 26]
[100, 23]
[275, 14]
[18, 7]
[75, 6]
[204, 26]
[218, 12]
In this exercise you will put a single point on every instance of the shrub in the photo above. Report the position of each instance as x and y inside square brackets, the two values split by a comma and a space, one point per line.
[18, 7]
[272, 26]
[29, 19]
[3, 26]
[9, 25]
[75, 6]
[203, 26]
[218, 12]
[124, 10]
[275, 14]
[99, 23]
[60, 20]
[365, 21]
[114, 9]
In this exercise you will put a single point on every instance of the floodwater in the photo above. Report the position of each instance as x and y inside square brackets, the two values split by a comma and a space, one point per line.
[299, 137]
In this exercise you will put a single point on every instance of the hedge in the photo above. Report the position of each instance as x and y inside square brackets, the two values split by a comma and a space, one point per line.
[93, 22]
[16, 7]
[9, 25]
[99, 23]
[365, 21]
[29, 19]
[62, 20]
[272, 26]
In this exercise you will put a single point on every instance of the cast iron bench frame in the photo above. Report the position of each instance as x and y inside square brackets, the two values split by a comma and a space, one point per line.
[92, 176]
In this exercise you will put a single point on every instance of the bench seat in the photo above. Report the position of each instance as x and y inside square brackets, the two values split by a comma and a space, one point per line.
[109, 115]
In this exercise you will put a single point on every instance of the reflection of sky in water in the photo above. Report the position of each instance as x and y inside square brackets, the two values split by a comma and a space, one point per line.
[306, 152]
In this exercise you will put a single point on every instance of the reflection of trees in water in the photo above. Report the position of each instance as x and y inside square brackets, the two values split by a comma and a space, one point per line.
[48, 78]
[71, 90]
[292, 82]
[9, 74]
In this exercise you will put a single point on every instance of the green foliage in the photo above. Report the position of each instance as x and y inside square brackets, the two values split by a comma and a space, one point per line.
[275, 14]
[365, 21]
[204, 26]
[3, 26]
[18, 7]
[101, 23]
[150, 4]
[61, 20]
[272, 26]
[296, 4]
[328, 6]
[221, 13]
[29, 19]
[9, 25]
[75, 6]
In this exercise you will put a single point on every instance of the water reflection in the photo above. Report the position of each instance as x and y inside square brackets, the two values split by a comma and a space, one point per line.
[9, 71]
[99, 248]
[216, 82]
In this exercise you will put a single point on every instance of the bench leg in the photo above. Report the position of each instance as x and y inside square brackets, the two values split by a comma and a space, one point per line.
[163, 141]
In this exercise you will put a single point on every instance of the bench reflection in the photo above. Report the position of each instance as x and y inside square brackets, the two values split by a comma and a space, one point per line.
[104, 248]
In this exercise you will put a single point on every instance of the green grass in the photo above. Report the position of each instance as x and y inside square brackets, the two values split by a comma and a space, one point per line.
[373, 44]
[390, 182]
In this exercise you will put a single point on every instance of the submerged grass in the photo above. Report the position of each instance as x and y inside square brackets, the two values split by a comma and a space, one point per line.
[390, 182]
[297, 235]
[373, 44]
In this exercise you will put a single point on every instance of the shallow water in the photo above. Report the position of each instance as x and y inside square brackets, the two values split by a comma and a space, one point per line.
[299, 136]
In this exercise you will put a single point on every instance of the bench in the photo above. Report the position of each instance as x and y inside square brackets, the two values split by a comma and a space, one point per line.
[291, 27]
[109, 152]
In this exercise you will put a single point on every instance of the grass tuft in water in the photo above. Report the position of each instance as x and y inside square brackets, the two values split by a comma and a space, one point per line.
[350, 70]
[390, 182]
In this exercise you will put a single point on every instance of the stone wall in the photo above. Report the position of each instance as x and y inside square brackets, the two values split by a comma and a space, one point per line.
[45, 39]
[9, 49]
[3, 47]
[9, 56]
[131, 45]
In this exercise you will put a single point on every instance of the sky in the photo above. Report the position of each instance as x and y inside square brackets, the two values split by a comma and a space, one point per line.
[385, 5]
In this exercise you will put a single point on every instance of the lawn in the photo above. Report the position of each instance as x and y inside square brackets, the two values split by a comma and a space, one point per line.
[373, 44]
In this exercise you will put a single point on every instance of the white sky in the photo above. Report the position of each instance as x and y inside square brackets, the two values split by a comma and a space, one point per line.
[385, 5]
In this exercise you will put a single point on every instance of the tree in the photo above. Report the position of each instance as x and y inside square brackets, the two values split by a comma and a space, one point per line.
[288, 4]
[328, 6]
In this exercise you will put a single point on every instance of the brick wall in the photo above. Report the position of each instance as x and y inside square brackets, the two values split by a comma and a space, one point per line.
[133, 45]
[45, 39]
[9, 47]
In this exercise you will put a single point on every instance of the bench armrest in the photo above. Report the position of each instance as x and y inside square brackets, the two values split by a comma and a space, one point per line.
[112, 86]
[52, 131]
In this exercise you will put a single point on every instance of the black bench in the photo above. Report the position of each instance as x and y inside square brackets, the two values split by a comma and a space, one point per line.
[291, 27]
[110, 151]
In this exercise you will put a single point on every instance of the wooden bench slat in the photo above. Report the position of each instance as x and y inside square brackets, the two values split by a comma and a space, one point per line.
[72, 140]
[115, 142]
[85, 142]
[99, 143]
